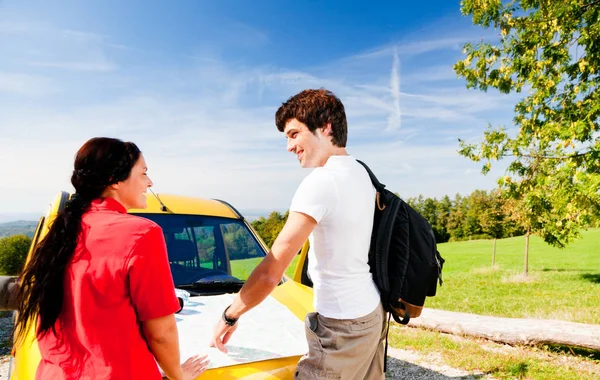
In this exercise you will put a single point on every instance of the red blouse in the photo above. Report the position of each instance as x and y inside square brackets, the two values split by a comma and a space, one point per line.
[118, 277]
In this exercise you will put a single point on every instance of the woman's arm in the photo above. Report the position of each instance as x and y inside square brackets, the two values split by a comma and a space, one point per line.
[163, 340]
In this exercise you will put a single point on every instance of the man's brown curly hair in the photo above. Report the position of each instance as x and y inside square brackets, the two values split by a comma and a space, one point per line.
[315, 108]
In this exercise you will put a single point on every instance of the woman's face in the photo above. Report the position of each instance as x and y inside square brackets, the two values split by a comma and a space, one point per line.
[131, 193]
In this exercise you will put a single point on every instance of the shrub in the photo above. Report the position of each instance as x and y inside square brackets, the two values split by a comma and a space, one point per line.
[13, 252]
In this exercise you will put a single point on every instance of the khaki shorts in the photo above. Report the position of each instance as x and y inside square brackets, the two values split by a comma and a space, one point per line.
[344, 348]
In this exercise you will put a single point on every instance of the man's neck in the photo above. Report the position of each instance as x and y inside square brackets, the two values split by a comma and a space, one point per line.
[338, 152]
[335, 152]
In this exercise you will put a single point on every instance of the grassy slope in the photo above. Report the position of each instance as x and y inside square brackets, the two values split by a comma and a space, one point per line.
[562, 284]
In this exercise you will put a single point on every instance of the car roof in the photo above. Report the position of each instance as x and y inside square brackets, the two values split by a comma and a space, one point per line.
[178, 204]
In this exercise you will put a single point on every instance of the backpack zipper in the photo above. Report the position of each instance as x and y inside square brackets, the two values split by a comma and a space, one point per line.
[439, 266]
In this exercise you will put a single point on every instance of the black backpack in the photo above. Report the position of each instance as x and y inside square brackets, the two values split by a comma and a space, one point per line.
[403, 257]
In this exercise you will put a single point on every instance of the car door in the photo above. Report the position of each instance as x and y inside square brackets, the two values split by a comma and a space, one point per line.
[301, 273]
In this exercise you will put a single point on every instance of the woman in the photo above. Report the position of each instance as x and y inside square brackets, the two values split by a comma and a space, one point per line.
[99, 285]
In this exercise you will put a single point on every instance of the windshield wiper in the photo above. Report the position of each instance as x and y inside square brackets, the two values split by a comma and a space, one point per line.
[217, 286]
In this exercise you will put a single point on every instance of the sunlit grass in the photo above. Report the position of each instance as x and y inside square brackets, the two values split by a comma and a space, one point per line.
[561, 284]
[498, 360]
[242, 268]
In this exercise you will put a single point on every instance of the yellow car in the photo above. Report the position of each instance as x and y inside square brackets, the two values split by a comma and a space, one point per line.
[212, 250]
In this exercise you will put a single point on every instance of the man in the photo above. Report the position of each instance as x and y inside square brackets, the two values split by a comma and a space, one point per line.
[334, 205]
[9, 287]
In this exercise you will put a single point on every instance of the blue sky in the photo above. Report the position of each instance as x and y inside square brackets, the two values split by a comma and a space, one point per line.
[196, 84]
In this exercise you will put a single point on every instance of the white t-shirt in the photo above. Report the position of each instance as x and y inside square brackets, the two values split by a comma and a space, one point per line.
[341, 198]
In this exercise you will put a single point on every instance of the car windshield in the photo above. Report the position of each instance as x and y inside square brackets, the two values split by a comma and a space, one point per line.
[208, 254]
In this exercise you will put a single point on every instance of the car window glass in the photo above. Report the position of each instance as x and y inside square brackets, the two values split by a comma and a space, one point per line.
[243, 250]
[208, 249]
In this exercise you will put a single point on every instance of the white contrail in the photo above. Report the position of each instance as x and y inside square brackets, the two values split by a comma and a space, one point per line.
[394, 120]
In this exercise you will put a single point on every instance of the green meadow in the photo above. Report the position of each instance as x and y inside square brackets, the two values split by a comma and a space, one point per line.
[242, 268]
[561, 284]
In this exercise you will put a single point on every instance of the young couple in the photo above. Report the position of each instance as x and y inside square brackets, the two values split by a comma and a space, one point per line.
[99, 289]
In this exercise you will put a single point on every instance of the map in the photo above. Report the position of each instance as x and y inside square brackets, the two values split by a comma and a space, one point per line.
[268, 331]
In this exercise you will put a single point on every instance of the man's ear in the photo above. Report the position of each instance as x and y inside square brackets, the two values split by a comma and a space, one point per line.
[326, 130]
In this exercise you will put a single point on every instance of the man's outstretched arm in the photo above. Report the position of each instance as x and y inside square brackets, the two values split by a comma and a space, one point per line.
[267, 274]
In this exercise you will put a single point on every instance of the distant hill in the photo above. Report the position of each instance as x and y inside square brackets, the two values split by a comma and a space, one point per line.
[6, 217]
[24, 227]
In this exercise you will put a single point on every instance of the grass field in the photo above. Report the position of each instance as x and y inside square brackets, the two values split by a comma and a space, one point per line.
[499, 360]
[242, 268]
[562, 284]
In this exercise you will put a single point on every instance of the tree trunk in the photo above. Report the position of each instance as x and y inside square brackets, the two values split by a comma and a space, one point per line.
[511, 330]
[527, 253]
[494, 254]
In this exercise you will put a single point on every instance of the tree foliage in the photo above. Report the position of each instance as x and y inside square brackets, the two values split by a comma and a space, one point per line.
[268, 228]
[13, 252]
[549, 50]
[479, 215]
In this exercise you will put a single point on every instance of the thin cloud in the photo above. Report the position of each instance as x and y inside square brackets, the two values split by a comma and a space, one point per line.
[80, 36]
[55, 48]
[414, 48]
[18, 27]
[25, 84]
[206, 126]
[394, 120]
[86, 66]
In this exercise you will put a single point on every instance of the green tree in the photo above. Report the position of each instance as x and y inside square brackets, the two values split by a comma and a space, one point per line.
[269, 228]
[550, 49]
[13, 252]
[456, 221]
[525, 212]
[477, 204]
[444, 210]
[493, 218]
[429, 211]
[417, 203]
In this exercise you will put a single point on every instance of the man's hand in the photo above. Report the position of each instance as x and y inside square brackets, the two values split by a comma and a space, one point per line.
[221, 334]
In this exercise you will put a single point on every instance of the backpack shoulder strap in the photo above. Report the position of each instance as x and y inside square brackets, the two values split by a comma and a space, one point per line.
[378, 185]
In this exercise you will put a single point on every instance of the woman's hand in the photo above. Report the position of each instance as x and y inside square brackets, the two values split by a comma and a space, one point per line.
[195, 366]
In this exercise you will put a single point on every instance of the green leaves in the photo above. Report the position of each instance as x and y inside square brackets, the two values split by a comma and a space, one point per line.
[552, 49]
[13, 252]
[269, 228]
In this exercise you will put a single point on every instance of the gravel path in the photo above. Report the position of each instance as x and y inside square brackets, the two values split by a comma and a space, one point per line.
[4, 363]
[410, 365]
[5, 338]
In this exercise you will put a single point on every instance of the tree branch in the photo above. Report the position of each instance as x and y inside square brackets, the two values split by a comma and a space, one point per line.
[544, 157]
[583, 9]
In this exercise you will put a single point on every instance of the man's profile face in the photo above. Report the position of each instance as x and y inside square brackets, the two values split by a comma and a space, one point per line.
[310, 148]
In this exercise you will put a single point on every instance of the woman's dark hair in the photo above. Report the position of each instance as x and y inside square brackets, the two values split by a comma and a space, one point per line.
[100, 162]
[315, 108]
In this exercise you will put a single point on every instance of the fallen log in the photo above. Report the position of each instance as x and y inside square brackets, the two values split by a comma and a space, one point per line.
[511, 330]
